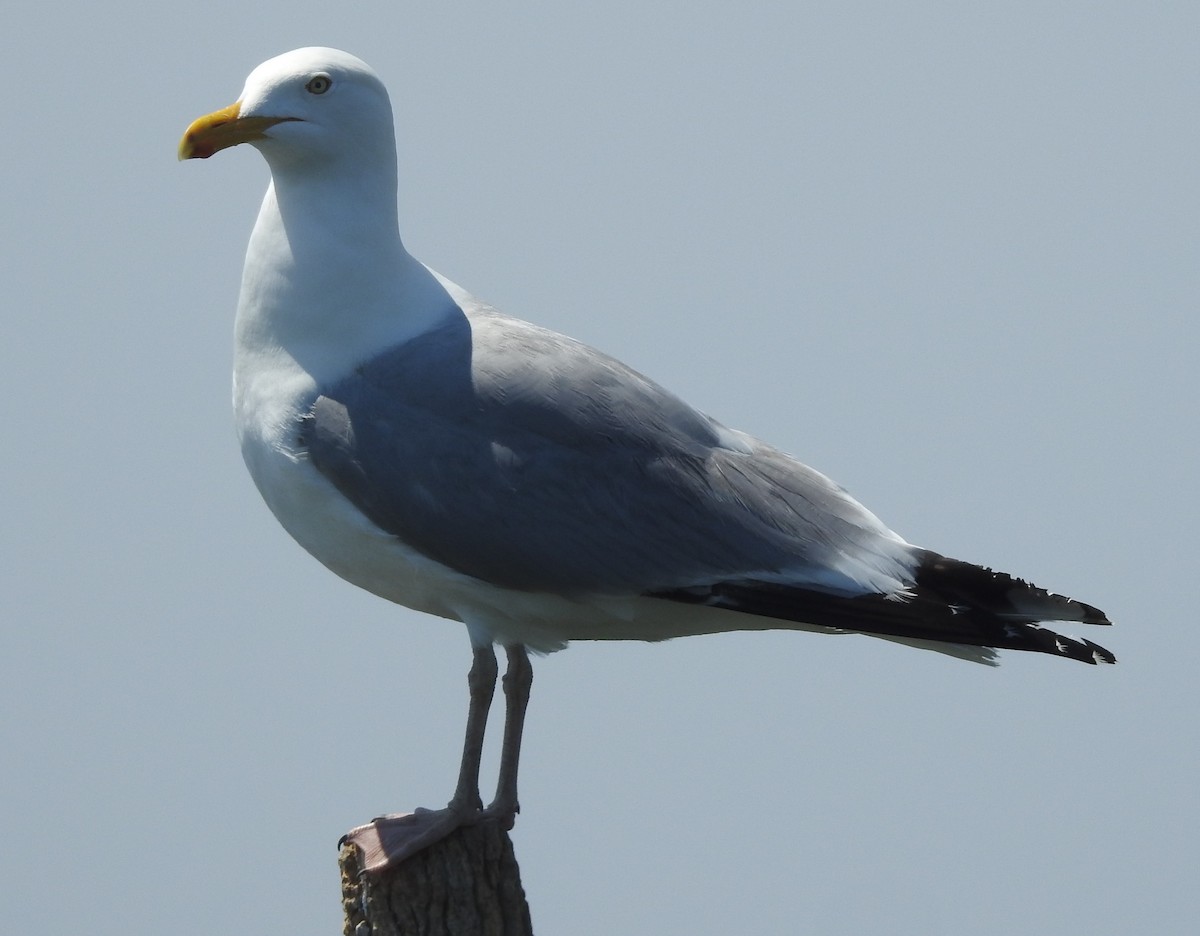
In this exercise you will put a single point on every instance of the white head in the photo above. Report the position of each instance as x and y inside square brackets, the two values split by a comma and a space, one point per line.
[327, 278]
[309, 107]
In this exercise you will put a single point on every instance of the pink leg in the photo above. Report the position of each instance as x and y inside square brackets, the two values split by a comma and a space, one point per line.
[390, 839]
[517, 682]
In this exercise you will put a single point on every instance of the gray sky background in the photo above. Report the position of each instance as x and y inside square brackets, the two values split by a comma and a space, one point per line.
[946, 253]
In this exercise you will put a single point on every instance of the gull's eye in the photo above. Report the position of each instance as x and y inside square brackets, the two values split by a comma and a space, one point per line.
[318, 84]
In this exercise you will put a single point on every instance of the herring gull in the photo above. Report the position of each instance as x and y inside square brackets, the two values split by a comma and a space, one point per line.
[476, 467]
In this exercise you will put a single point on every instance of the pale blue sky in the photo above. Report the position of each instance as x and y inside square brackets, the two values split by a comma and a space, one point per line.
[945, 254]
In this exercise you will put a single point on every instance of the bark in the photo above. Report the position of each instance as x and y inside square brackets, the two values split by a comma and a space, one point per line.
[468, 884]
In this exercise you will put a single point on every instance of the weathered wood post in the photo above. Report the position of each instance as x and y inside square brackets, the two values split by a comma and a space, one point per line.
[467, 884]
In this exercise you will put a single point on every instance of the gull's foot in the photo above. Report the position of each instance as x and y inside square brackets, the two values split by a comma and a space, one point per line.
[504, 813]
[391, 839]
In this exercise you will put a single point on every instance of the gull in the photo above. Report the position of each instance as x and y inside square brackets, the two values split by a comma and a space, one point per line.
[473, 466]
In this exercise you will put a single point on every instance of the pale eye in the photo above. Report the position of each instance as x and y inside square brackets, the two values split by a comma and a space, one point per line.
[318, 84]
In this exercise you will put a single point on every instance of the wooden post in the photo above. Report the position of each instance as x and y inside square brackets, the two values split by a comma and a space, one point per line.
[468, 884]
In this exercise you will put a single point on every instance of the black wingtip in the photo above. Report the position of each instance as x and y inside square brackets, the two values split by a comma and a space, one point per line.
[952, 602]
[1077, 648]
[1003, 595]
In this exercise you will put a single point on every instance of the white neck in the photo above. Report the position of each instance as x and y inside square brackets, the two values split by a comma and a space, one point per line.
[327, 280]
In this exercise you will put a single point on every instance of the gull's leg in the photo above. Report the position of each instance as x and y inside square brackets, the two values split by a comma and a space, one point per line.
[391, 839]
[481, 681]
[517, 681]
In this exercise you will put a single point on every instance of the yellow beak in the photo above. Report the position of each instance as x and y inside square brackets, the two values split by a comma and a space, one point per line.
[222, 129]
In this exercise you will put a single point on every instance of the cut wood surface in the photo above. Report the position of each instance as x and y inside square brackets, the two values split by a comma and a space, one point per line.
[468, 884]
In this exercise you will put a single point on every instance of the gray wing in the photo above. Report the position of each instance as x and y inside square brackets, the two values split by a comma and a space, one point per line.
[526, 459]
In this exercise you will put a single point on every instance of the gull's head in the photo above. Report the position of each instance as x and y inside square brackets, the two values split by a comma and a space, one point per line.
[310, 105]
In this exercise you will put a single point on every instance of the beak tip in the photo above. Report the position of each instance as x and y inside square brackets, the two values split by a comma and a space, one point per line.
[206, 135]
